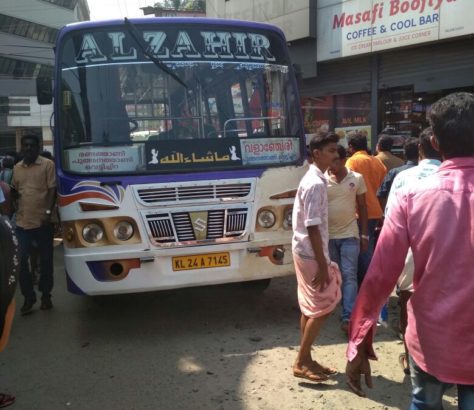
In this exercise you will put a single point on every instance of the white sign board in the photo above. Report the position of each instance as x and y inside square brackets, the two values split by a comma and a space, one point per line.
[363, 26]
[260, 151]
[90, 160]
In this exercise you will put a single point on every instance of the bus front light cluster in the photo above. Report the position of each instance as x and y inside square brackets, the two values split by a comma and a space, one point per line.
[288, 218]
[266, 218]
[274, 218]
[123, 231]
[86, 233]
[92, 233]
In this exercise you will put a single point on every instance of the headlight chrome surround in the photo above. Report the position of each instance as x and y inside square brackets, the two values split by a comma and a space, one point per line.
[288, 218]
[266, 218]
[93, 232]
[123, 230]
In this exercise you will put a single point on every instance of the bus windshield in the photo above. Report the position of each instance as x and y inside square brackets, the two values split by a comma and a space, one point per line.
[225, 100]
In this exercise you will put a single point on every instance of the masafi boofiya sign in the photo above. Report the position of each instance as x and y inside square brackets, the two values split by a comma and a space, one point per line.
[364, 26]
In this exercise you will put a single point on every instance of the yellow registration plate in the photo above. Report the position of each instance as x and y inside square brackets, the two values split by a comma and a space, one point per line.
[205, 260]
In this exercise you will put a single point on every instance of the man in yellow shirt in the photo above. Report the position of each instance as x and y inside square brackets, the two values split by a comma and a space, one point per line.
[373, 172]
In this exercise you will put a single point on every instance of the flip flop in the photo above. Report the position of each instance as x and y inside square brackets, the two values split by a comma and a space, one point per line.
[403, 361]
[327, 371]
[6, 400]
[308, 374]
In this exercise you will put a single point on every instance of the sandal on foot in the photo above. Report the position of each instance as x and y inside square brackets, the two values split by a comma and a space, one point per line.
[6, 400]
[308, 374]
[327, 371]
[403, 361]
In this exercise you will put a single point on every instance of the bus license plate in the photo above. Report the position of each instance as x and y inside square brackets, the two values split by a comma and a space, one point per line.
[202, 261]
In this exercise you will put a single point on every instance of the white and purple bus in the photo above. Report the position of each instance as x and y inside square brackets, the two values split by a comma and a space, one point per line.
[179, 145]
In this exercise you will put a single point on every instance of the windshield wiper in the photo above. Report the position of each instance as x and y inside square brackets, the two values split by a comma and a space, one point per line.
[136, 36]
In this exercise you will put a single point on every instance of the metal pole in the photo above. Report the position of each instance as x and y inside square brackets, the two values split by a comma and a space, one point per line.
[374, 88]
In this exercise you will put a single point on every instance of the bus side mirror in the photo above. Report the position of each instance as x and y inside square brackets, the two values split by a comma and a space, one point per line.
[44, 90]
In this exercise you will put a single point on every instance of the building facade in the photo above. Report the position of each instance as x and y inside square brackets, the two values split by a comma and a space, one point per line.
[28, 31]
[369, 65]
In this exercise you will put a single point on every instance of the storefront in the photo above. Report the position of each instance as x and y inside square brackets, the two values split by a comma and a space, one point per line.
[381, 69]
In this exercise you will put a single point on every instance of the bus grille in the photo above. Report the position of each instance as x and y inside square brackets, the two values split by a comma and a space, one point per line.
[155, 195]
[197, 227]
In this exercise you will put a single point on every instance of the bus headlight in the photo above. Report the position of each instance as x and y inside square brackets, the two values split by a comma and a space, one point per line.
[287, 218]
[92, 233]
[266, 218]
[123, 231]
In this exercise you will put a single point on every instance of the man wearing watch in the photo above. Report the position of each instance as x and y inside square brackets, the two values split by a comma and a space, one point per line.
[35, 188]
[346, 205]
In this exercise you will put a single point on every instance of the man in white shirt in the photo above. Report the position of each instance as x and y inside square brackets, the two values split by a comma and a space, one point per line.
[318, 279]
[346, 200]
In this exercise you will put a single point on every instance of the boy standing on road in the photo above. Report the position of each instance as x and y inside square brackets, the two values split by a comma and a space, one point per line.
[346, 198]
[35, 190]
[318, 280]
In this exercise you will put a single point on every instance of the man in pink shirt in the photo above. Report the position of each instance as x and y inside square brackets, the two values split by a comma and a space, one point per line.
[435, 219]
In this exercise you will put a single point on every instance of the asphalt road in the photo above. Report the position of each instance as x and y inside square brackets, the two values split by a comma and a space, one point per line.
[221, 347]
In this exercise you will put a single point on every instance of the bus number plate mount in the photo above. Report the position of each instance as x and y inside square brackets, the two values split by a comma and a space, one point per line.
[201, 261]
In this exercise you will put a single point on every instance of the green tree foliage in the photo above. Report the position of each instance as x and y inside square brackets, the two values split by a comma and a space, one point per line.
[194, 5]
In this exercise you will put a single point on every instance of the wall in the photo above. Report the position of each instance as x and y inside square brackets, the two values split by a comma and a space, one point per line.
[22, 49]
[293, 17]
[297, 19]
[39, 12]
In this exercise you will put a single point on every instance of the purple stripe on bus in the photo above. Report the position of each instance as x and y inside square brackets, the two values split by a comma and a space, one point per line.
[66, 182]
[172, 21]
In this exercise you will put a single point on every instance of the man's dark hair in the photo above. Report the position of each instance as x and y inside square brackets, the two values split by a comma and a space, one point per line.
[452, 119]
[30, 137]
[319, 141]
[341, 150]
[358, 142]
[410, 147]
[385, 142]
[425, 142]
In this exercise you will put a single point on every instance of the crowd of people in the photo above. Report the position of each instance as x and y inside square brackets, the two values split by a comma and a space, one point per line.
[425, 249]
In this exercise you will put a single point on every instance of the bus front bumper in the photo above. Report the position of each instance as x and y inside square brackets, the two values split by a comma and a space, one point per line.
[150, 270]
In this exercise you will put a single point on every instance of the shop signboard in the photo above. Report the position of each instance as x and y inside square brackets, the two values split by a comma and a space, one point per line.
[353, 27]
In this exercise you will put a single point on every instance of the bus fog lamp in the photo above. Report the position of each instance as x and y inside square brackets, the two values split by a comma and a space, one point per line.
[278, 254]
[123, 231]
[92, 233]
[266, 218]
[116, 269]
